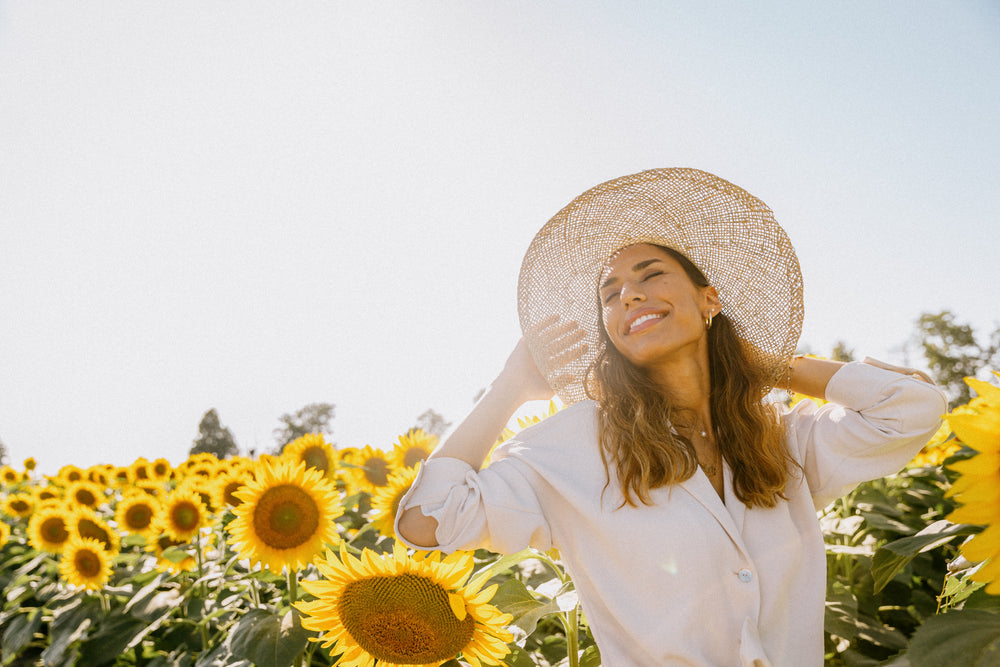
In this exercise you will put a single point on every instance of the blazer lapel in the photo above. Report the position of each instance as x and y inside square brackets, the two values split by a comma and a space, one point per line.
[699, 486]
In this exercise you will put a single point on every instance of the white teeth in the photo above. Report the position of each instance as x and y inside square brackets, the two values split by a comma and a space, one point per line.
[644, 318]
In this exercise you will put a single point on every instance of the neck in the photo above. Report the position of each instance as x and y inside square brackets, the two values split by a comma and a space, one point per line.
[688, 384]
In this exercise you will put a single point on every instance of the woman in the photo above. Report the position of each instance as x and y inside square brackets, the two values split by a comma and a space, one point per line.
[662, 307]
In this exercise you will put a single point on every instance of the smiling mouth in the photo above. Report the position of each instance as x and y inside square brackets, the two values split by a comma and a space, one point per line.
[641, 323]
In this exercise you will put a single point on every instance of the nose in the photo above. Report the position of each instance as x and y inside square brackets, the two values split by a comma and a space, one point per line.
[631, 293]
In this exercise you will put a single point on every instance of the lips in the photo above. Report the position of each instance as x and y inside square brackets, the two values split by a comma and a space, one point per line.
[643, 320]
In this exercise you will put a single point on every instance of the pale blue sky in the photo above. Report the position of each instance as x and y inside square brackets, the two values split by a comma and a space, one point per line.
[254, 206]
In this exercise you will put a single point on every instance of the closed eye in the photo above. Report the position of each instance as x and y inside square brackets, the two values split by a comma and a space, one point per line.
[609, 297]
[651, 274]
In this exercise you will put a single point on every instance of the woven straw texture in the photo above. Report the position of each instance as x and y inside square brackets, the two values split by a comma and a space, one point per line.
[729, 234]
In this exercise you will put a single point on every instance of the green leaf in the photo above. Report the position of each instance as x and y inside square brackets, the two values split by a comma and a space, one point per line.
[513, 598]
[268, 640]
[55, 653]
[970, 638]
[591, 657]
[894, 556]
[114, 634]
[518, 657]
[20, 633]
[175, 554]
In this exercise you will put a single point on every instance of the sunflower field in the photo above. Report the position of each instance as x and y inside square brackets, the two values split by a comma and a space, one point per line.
[291, 560]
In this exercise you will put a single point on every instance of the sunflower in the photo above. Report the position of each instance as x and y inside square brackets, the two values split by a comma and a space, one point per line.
[941, 446]
[393, 609]
[182, 514]
[225, 487]
[161, 469]
[70, 473]
[385, 501]
[286, 517]
[313, 450]
[412, 448]
[85, 493]
[49, 529]
[136, 513]
[85, 522]
[30, 463]
[44, 493]
[978, 488]
[4, 533]
[121, 476]
[19, 505]
[370, 469]
[10, 476]
[99, 475]
[85, 563]
[203, 487]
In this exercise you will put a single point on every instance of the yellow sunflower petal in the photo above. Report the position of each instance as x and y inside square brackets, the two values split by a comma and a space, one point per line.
[979, 431]
[978, 514]
[457, 603]
[984, 545]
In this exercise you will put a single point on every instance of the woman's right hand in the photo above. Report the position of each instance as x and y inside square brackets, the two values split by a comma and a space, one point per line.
[560, 344]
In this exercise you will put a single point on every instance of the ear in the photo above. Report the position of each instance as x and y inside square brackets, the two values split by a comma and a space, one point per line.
[710, 299]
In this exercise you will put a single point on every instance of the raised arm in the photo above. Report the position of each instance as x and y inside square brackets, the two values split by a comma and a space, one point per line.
[518, 382]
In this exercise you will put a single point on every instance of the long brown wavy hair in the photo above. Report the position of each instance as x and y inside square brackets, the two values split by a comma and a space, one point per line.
[635, 417]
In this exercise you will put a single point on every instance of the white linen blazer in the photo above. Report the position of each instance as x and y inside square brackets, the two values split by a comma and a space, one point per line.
[688, 579]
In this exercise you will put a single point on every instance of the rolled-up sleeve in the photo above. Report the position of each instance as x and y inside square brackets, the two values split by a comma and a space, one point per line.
[875, 422]
[495, 508]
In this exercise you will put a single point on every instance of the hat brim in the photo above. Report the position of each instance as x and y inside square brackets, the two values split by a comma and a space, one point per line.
[729, 234]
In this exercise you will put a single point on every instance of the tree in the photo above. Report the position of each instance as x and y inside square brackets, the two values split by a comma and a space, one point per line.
[214, 438]
[313, 418]
[3, 453]
[953, 353]
[841, 352]
[432, 422]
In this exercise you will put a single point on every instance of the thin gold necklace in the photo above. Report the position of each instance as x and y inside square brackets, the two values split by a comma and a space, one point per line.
[711, 469]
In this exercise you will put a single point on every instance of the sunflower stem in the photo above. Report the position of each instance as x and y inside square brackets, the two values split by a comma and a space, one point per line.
[201, 565]
[293, 585]
[255, 592]
[572, 638]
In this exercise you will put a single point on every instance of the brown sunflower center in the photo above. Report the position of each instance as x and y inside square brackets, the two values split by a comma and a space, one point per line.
[185, 515]
[87, 563]
[377, 471]
[86, 497]
[414, 455]
[53, 530]
[229, 493]
[138, 516]
[141, 473]
[285, 517]
[403, 619]
[315, 457]
[88, 528]
[19, 506]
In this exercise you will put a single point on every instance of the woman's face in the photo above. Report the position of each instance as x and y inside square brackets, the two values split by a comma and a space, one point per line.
[651, 309]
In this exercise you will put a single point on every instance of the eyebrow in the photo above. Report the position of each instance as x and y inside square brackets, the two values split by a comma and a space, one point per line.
[638, 267]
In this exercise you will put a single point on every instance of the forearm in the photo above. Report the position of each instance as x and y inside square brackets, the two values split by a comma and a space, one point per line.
[474, 437]
[810, 376]
[470, 442]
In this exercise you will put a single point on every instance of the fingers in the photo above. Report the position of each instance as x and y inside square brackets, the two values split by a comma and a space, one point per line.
[560, 343]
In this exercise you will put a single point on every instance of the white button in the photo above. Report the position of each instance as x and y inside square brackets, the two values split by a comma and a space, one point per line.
[745, 575]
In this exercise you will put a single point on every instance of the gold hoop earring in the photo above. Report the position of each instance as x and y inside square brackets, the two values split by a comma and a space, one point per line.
[708, 321]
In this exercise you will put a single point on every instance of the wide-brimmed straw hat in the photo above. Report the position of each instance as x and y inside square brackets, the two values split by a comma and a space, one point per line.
[725, 231]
